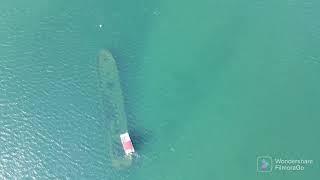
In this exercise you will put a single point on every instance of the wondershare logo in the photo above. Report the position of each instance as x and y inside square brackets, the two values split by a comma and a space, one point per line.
[268, 164]
[264, 164]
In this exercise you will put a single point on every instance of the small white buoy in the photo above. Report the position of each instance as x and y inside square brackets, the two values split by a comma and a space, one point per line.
[172, 149]
[100, 25]
[156, 13]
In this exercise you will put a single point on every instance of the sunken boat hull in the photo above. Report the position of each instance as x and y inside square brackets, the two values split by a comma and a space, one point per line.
[113, 107]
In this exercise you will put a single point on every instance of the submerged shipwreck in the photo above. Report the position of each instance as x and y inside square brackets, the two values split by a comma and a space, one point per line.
[121, 148]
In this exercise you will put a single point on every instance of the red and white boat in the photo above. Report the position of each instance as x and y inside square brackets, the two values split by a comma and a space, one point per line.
[127, 144]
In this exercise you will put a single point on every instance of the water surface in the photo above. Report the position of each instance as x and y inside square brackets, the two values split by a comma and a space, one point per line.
[208, 86]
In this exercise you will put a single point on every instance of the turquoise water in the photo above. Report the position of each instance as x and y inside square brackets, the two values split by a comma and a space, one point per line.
[208, 86]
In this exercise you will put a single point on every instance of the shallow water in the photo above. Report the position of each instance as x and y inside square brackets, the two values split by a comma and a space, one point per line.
[208, 86]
